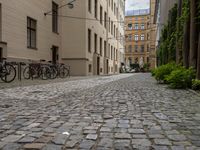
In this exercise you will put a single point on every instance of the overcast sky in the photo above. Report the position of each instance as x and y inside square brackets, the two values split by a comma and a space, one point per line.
[137, 4]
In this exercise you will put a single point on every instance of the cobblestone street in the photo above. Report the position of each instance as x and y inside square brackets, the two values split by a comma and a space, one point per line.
[120, 112]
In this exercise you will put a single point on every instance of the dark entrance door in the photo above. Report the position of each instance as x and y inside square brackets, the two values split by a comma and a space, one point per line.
[54, 54]
[98, 65]
[1, 53]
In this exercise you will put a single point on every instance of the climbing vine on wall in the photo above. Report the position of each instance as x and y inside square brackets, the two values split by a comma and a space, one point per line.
[167, 50]
[183, 18]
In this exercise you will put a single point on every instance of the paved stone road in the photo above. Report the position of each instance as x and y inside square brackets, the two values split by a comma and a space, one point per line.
[120, 112]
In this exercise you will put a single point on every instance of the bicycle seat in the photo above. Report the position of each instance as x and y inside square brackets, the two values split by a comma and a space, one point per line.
[42, 60]
[49, 61]
[3, 58]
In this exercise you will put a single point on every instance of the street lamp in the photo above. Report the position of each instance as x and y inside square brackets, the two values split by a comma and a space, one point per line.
[70, 6]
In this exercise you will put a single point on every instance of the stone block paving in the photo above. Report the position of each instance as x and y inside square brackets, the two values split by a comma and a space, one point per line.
[120, 112]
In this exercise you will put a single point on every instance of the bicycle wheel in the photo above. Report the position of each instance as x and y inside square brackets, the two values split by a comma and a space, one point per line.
[53, 73]
[27, 73]
[10, 73]
[64, 72]
[44, 72]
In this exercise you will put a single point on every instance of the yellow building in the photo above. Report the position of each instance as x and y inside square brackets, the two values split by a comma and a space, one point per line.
[140, 38]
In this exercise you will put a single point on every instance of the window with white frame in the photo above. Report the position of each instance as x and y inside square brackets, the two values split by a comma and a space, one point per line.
[142, 37]
[136, 37]
[136, 26]
[142, 26]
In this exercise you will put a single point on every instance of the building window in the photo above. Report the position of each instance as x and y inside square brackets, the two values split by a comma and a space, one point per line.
[95, 43]
[147, 59]
[100, 46]
[136, 27]
[136, 38]
[112, 5]
[148, 36]
[109, 24]
[105, 49]
[117, 13]
[111, 52]
[90, 68]
[54, 17]
[148, 24]
[112, 27]
[114, 30]
[147, 47]
[130, 37]
[136, 48]
[116, 54]
[142, 37]
[114, 8]
[31, 32]
[130, 26]
[130, 48]
[105, 19]
[95, 9]
[142, 26]
[89, 40]
[89, 6]
[142, 48]
[108, 50]
[101, 14]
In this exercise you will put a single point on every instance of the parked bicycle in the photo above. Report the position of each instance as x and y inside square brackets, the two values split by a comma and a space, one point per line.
[39, 70]
[7, 71]
[45, 70]
[61, 69]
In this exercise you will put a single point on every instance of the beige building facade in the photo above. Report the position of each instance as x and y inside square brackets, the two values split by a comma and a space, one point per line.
[87, 37]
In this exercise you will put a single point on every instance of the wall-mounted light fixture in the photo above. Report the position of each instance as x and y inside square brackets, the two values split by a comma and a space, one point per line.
[70, 5]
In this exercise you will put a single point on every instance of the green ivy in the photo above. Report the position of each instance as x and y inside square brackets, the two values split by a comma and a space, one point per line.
[167, 48]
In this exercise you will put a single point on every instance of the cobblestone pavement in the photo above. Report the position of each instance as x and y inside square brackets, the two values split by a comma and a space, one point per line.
[24, 82]
[120, 112]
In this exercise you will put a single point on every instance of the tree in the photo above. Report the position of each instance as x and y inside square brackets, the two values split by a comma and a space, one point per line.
[186, 43]
[193, 34]
[179, 32]
[198, 50]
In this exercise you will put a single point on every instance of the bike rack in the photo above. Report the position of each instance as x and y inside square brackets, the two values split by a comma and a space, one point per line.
[19, 69]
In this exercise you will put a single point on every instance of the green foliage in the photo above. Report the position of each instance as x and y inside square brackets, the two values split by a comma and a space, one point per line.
[167, 49]
[153, 73]
[180, 24]
[146, 66]
[195, 84]
[161, 72]
[181, 78]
